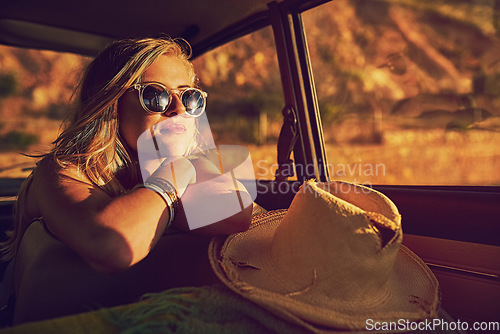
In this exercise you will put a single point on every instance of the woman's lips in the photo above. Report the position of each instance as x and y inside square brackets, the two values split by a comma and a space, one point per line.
[173, 129]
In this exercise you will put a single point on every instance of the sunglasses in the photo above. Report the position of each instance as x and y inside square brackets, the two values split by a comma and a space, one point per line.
[156, 98]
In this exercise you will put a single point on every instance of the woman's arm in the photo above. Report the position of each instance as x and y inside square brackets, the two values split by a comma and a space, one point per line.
[215, 193]
[110, 234]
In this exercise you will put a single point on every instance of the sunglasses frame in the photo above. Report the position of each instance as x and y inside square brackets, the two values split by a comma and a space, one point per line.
[179, 92]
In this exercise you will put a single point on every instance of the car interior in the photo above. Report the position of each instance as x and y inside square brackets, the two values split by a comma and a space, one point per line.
[335, 90]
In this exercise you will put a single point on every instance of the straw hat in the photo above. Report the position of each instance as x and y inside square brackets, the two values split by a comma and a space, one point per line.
[334, 259]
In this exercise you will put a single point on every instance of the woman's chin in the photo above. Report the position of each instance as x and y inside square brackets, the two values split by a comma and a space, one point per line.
[174, 150]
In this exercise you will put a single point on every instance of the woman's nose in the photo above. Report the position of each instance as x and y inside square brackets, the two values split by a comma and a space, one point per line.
[176, 107]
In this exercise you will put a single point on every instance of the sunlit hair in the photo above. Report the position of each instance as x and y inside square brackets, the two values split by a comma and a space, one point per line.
[91, 141]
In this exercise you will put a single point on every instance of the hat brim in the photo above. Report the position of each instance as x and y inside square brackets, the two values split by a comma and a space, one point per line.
[412, 292]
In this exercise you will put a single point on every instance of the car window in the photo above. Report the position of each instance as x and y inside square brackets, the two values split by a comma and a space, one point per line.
[243, 108]
[245, 97]
[409, 91]
[35, 90]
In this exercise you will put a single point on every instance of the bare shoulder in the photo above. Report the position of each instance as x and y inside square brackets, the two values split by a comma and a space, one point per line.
[51, 181]
[48, 170]
[50, 177]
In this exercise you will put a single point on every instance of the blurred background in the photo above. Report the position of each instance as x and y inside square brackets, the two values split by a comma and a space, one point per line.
[409, 93]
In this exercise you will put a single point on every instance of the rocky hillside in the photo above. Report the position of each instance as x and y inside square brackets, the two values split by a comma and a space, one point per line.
[370, 58]
[43, 81]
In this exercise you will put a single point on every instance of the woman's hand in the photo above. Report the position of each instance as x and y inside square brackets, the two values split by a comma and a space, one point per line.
[217, 203]
[218, 196]
[177, 171]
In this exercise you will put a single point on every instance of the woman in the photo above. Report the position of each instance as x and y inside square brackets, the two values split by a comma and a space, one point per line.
[87, 232]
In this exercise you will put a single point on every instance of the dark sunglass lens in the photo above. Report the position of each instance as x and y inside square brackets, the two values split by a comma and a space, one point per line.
[155, 98]
[194, 102]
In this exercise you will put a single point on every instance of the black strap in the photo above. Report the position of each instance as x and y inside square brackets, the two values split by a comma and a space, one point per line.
[286, 142]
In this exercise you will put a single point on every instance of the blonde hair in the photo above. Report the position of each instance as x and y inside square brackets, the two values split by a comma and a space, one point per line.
[91, 139]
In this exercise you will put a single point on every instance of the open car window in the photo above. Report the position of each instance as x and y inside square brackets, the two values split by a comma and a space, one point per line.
[36, 87]
[408, 90]
[245, 97]
[242, 79]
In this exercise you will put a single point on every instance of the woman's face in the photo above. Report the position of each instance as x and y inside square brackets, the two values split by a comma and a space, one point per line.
[173, 131]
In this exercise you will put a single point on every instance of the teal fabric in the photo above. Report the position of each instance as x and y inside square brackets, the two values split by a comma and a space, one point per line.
[205, 310]
[213, 309]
